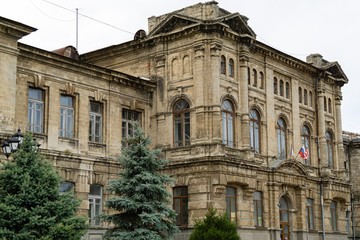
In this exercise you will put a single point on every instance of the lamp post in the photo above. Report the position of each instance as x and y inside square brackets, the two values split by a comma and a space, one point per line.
[12, 145]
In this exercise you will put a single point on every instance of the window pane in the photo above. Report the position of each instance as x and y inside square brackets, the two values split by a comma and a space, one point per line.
[95, 107]
[95, 190]
[66, 101]
[185, 211]
[180, 191]
[66, 187]
[35, 94]
[177, 208]
[257, 195]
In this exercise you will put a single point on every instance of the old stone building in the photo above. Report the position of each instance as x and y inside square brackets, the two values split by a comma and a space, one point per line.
[227, 110]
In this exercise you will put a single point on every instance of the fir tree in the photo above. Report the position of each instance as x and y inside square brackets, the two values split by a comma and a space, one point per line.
[141, 196]
[214, 227]
[31, 206]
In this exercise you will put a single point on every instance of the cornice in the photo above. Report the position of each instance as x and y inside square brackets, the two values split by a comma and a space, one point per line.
[279, 56]
[79, 67]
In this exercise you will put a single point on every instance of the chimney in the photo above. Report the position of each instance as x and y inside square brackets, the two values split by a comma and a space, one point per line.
[315, 60]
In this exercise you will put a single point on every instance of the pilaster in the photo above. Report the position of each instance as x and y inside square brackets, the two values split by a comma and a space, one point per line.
[244, 58]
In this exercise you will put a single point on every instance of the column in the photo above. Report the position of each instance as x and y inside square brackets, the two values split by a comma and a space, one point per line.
[321, 125]
[338, 122]
[244, 57]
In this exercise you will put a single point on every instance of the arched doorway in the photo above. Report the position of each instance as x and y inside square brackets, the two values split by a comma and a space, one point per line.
[284, 219]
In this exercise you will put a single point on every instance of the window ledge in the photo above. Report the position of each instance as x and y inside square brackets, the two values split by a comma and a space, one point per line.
[69, 140]
[97, 144]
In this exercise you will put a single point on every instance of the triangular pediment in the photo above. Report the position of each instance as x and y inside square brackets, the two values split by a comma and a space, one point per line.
[172, 23]
[336, 72]
[238, 24]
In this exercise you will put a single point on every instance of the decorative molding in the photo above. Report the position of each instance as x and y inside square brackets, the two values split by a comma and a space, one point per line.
[39, 81]
[70, 88]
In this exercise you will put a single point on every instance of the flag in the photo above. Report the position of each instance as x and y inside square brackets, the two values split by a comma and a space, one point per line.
[304, 153]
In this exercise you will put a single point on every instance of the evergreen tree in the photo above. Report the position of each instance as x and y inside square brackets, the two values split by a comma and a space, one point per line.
[31, 206]
[214, 227]
[141, 196]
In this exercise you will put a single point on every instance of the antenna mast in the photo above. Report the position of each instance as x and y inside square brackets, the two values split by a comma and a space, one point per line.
[77, 27]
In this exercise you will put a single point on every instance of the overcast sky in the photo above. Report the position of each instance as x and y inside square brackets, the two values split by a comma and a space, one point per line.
[296, 27]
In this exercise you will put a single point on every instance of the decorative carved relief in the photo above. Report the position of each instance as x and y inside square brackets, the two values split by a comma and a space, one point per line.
[70, 88]
[38, 81]
[98, 96]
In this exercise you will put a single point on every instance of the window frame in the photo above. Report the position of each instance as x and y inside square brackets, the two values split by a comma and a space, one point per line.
[256, 146]
[32, 119]
[184, 220]
[231, 67]
[222, 64]
[282, 154]
[306, 142]
[228, 113]
[281, 88]
[333, 216]
[256, 209]
[275, 86]
[329, 149]
[126, 130]
[93, 221]
[67, 108]
[182, 112]
[254, 76]
[92, 136]
[231, 199]
[310, 214]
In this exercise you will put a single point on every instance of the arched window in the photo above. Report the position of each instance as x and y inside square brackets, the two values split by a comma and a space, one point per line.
[227, 113]
[325, 104]
[181, 123]
[281, 138]
[329, 105]
[231, 67]
[305, 138]
[254, 131]
[300, 95]
[305, 97]
[261, 79]
[310, 99]
[284, 219]
[223, 65]
[329, 149]
[275, 86]
[249, 80]
[287, 90]
[254, 75]
[281, 86]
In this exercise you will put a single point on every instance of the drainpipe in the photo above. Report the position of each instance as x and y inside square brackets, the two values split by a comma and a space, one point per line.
[319, 157]
[322, 209]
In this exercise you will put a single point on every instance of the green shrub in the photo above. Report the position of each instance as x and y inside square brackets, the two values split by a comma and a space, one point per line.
[214, 227]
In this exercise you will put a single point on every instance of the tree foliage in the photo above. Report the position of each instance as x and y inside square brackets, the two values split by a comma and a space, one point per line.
[214, 227]
[140, 194]
[31, 206]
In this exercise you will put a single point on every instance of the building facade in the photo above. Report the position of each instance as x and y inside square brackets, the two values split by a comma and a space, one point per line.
[227, 110]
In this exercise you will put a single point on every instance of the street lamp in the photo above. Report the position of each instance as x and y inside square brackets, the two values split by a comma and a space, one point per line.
[12, 145]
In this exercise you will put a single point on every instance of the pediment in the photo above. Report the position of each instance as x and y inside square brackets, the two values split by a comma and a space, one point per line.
[336, 72]
[172, 23]
[289, 166]
[238, 24]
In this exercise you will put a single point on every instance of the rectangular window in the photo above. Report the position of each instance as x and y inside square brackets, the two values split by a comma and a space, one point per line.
[66, 117]
[127, 117]
[333, 216]
[36, 110]
[66, 187]
[258, 209]
[95, 204]
[347, 217]
[95, 122]
[310, 214]
[231, 203]
[180, 202]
